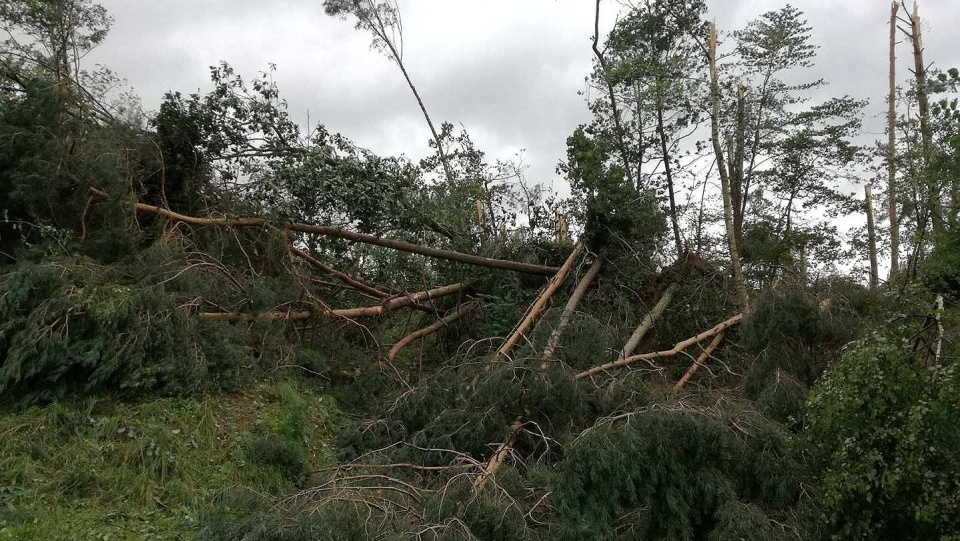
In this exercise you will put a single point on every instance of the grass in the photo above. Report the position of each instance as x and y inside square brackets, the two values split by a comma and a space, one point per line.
[102, 470]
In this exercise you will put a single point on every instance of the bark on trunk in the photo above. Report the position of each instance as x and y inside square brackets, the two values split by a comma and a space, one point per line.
[926, 133]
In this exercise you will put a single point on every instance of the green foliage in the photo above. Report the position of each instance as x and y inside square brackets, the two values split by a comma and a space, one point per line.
[687, 465]
[66, 328]
[882, 426]
[275, 451]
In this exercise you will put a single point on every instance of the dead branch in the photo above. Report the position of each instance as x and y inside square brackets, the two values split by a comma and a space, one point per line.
[680, 346]
[455, 314]
[335, 232]
[648, 322]
[699, 362]
[571, 306]
[496, 461]
[352, 282]
[537, 307]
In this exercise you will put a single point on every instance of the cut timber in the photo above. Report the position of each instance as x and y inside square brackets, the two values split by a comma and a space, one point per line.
[455, 314]
[699, 362]
[352, 282]
[537, 307]
[571, 306]
[336, 232]
[648, 322]
[680, 346]
[498, 458]
[367, 311]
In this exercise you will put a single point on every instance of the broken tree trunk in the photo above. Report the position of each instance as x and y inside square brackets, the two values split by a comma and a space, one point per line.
[537, 307]
[496, 461]
[680, 346]
[571, 306]
[699, 362]
[454, 315]
[892, 150]
[738, 280]
[336, 232]
[648, 322]
[366, 311]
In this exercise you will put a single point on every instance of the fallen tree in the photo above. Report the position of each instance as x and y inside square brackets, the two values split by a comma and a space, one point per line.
[336, 232]
[699, 362]
[676, 349]
[570, 307]
[533, 313]
[366, 311]
[648, 322]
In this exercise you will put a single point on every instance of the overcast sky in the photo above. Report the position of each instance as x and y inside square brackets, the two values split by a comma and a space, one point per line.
[508, 70]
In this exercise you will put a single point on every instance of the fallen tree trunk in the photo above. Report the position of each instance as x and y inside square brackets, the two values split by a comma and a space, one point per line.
[399, 302]
[537, 307]
[343, 277]
[680, 346]
[367, 311]
[648, 322]
[571, 306]
[496, 461]
[699, 362]
[329, 231]
[455, 314]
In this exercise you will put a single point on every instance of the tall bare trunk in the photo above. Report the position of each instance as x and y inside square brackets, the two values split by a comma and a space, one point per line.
[738, 279]
[926, 133]
[614, 108]
[872, 237]
[737, 195]
[891, 149]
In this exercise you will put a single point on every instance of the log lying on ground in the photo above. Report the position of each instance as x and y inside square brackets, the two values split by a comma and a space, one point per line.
[680, 346]
[454, 315]
[336, 232]
[367, 311]
[537, 307]
[648, 322]
[568, 310]
[699, 362]
[499, 456]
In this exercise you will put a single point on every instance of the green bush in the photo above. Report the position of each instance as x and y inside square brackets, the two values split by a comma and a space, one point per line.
[278, 452]
[883, 427]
